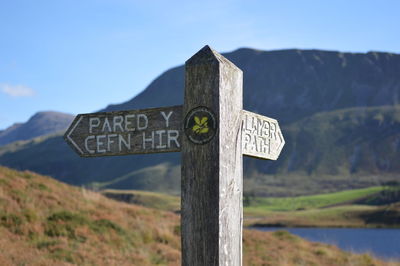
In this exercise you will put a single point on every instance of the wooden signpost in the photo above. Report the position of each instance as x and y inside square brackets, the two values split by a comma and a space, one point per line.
[212, 132]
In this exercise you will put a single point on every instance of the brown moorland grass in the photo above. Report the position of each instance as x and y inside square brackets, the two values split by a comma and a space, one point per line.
[45, 222]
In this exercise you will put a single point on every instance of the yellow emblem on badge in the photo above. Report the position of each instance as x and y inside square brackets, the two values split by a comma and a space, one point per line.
[201, 125]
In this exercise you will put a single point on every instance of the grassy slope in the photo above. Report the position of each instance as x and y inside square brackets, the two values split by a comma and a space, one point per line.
[339, 209]
[310, 202]
[44, 222]
[52, 222]
[145, 198]
[258, 204]
[351, 208]
[340, 216]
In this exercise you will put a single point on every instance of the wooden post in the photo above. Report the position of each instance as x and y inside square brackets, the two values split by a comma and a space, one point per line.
[212, 170]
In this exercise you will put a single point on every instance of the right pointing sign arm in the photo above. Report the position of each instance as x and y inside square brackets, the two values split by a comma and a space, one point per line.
[261, 136]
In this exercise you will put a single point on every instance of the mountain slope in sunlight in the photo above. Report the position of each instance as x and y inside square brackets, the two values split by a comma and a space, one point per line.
[45, 222]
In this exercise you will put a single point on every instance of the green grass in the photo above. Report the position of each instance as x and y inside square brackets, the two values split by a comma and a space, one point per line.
[370, 207]
[262, 205]
[349, 208]
[258, 205]
[350, 216]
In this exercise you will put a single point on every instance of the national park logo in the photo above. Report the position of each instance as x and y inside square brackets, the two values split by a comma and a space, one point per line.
[200, 125]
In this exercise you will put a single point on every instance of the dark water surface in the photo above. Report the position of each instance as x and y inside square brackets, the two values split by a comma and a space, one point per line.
[382, 243]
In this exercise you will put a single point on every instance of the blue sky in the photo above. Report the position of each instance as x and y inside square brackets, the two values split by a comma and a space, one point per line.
[79, 56]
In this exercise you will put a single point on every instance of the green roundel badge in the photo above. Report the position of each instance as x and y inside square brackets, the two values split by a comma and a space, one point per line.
[200, 125]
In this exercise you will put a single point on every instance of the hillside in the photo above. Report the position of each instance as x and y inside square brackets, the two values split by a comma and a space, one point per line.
[40, 124]
[346, 141]
[329, 151]
[337, 150]
[338, 111]
[45, 222]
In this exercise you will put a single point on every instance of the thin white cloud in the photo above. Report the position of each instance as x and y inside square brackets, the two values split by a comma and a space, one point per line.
[17, 90]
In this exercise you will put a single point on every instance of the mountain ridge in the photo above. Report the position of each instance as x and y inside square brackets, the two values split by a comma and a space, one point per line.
[360, 74]
[40, 124]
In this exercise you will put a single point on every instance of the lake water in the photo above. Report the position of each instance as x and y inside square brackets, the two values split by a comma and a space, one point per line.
[382, 243]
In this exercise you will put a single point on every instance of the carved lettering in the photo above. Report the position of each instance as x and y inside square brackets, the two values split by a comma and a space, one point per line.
[127, 132]
[260, 136]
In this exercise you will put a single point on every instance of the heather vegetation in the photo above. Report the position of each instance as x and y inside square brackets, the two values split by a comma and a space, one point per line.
[54, 223]
[45, 222]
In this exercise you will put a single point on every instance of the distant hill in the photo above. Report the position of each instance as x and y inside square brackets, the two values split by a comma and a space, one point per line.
[338, 111]
[40, 124]
[45, 222]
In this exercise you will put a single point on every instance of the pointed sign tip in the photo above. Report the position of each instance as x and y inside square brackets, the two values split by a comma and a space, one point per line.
[205, 54]
[209, 55]
[209, 49]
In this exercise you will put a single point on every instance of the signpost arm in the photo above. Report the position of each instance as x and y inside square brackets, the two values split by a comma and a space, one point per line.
[212, 172]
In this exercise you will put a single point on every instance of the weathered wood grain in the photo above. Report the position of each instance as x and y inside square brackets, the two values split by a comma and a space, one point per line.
[126, 132]
[212, 172]
[261, 136]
